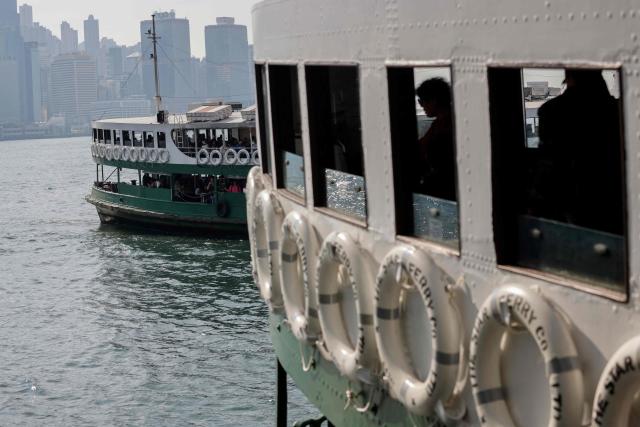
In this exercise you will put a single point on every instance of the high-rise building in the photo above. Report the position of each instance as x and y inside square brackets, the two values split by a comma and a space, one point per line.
[12, 108]
[9, 14]
[174, 61]
[92, 36]
[74, 85]
[69, 38]
[115, 61]
[26, 16]
[227, 56]
[33, 91]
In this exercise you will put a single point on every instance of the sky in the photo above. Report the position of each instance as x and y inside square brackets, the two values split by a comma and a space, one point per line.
[120, 19]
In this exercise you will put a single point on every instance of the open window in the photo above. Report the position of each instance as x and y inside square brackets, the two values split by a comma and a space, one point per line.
[148, 139]
[117, 137]
[333, 96]
[162, 140]
[263, 114]
[107, 136]
[137, 139]
[287, 128]
[558, 175]
[95, 135]
[101, 136]
[126, 138]
[424, 159]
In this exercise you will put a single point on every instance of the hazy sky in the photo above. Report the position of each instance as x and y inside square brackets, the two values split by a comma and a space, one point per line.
[120, 19]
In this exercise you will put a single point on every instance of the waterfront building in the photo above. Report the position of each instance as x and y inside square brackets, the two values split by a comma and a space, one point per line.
[33, 91]
[74, 85]
[26, 16]
[69, 38]
[136, 106]
[11, 64]
[115, 65]
[227, 56]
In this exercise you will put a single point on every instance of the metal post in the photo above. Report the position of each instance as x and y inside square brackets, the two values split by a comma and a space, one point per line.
[97, 173]
[118, 175]
[139, 177]
[154, 38]
[281, 396]
[102, 171]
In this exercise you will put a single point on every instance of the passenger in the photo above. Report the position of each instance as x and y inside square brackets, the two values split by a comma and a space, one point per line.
[579, 178]
[146, 180]
[436, 147]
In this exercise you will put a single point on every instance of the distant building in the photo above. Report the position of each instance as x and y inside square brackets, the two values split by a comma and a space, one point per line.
[26, 16]
[227, 56]
[74, 85]
[130, 107]
[69, 38]
[33, 90]
[174, 60]
[9, 14]
[115, 61]
[92, 36]
[12, 84]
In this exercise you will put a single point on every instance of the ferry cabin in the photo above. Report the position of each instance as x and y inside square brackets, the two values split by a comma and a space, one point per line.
[529, 215]
[187, 172]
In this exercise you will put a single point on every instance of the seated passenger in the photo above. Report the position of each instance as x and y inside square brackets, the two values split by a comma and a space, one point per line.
[579, 179]
[146, 180]
[436, 147]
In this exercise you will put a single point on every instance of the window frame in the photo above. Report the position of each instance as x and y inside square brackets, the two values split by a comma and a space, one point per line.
[263, 115]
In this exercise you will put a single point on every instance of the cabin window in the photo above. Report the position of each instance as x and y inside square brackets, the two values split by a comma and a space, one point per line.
[100, 136]
[162, 140]
[95, 135]
[558, 173]
[126, 138]
[107, 136]
[137, 139]
[336, 143]
[424, 159]
[117, 137]
[263, 114]
[148, 139]
[287, 127]
[203, 138]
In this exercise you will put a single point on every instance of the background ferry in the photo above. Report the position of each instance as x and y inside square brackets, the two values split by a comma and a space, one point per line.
[496, 285]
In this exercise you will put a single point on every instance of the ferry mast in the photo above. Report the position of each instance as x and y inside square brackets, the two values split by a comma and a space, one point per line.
[151, 34]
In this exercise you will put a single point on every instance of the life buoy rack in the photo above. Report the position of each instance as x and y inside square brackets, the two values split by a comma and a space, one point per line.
[299, 249]
[216, 157]
[243, 157]
[202, 157]
[142, 154]
[405, 269]
[267, 227]
[617, 388]
[510, 307]
[163, 155]
[255, 157]
[344, 278]
[134, 155]
[126, 153]
[117, 152]
[230, 156]
[153, 155]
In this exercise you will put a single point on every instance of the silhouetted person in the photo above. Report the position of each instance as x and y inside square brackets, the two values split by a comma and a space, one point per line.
[436, 147]
[581, 154]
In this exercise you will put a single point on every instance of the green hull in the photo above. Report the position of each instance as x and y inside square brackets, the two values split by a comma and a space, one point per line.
[326, 388]
[153, 208]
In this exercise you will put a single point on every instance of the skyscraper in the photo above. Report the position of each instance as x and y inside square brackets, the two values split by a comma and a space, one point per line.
[174, 60]
[33, 92]
[69, 38]
[9, 14]
[92, 36]
[74, 85]
[12, 109]
[26, 16]
[227, 56]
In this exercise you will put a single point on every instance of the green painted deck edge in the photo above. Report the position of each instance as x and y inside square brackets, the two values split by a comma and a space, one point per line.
[169, 168]
[325, 387]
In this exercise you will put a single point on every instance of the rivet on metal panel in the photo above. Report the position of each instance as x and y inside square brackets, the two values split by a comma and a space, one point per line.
[536, 18]
[634, 36]
[514, 19]
[583, 15]
[610, 15]
[485, 21]
[596, 15]
[547, 4]
[495, 20]
[559, 16]
[623, 14]
[504, 19]
[468, 189]
[571, 16]
[547, 17]
[525, 18]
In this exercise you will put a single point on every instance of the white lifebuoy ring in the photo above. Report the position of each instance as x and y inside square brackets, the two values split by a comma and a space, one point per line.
[255, 184]
[134, 155]
[153, 155]
[108, 152]
[255, 157]
[126, 153]
[163, 155]
[512, 306]
[418, 387]
[267, 228]
[117, 152]
[216, 157]
[230, 156]
[617, 388]
[101, 150]
[298, 252]
[143, 155]
[243, 157]
[344, 278]
[93, 150]
[202, 158]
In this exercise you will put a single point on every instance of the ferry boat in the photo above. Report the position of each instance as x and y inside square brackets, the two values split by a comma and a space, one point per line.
[477, 268]
[175, 171]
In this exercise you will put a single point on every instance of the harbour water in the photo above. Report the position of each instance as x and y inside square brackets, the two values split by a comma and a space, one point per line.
[104, 326]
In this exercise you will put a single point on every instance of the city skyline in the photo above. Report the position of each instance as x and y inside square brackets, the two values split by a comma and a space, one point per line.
[125, 28]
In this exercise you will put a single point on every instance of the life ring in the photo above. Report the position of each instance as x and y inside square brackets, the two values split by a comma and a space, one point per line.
[222, 209]
[299, 248]
[142, 154]
[216, 157]
[93, 150]
[126, 153]
[101, 150]
[230, 156]
[108, 152]
[153, 155]
[509, 307]
[163, 155]
[419, 388]
[267, 227]
[255, 185]
[243, 157]
[202, 158]
[134, 155]
[344, 279]
[255, 157]
[618, 385]
[117, 152]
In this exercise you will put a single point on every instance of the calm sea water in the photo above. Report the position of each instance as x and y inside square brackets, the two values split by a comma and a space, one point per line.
[102, 326]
